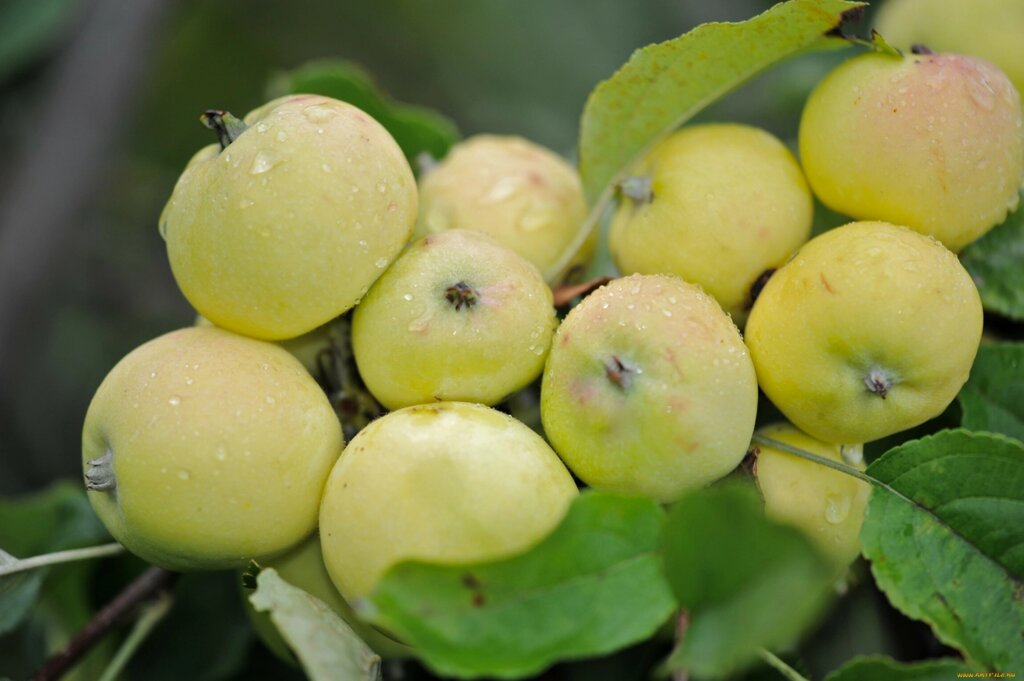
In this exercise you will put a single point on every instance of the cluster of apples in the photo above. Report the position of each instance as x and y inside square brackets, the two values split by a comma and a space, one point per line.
[214, 445]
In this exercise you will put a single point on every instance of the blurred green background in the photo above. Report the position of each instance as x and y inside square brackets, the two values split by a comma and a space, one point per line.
[99, 105]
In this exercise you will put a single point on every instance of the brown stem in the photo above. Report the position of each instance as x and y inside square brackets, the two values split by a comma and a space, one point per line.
[682, 626]
[146, 586]
[566, 294]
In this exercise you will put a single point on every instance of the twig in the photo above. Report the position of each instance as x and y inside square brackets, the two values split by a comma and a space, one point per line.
[58, 557]
[148, 584]
[566, 294]
[148, 619]
[781, 667]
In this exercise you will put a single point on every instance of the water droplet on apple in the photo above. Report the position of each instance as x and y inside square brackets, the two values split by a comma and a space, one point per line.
[319, 114]
[174, 401]
[837, 508]
[184, 474]
[381, 263]
[263, 162]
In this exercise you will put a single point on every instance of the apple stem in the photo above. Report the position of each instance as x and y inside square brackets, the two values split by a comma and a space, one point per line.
[461, 294]
[227, 127]
[99, 476]
[618, 373]
[638, 188]
[878, 382]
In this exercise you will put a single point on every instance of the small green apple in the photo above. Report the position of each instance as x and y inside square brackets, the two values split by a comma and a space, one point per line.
[649, 389]
[719, 204]
[521, 194]
[203, 449]
[303, 567]
[447, 483]
[457, 317]
[869, 330]
[990, 29]
[828, 506]
[288, 225]
[931, 141]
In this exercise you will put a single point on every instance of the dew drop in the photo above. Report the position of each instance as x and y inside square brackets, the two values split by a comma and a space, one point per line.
[837, 507]
[188, 380]
[324, 167]
[184, 474]
[221, 454]
[262, 128]
[270, 400]
[263, 162]
[407, 296]
[666, 313]
[174, 401]
[381, 263]
[244, 203]
[282, 136]
[381, 187]
[319, 114]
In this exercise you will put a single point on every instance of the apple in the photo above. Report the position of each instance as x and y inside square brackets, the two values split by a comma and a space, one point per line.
[457, 317]
[524, 196]
[990, 29]
[827, 505]
[303, 567]
[306, 348]
[447, 483]
[203, 449]
[931, 141]
[288, 222]
[869, 330]
[649, 389]
[719, 204]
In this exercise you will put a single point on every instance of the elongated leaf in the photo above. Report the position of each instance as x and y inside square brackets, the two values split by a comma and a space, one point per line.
[326, 646]
[886, 669]
[748, 582]
[663, 85]
[946, 540]
[994, 262]
[57, 519]
[594, 585]
[993, 398]
[416, 129]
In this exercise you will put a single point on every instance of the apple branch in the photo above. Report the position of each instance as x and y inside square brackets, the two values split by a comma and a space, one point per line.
[147, 586]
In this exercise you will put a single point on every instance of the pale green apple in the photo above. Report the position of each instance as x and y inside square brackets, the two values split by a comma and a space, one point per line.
[649, 389]
[827, 505]
[990, 29]
[287, 226]
[303, 567]
[720, 205]
[931, 141]
[457, 317]
[447, 483]
[307, 348]
[203, 449]
[524, 196]
[869, 330]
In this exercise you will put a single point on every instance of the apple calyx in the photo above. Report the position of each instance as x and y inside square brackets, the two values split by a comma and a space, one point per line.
[618, 372]
[461, 294]
[227, 127]
[99, 476]
[759, 284]
[638, 188]
[879, 381]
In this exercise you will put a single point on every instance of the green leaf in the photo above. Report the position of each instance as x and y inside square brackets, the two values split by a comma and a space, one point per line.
[594, 585]
[993, 398]
[55, 520]
[327, 647]
[877, 668]
[664, 85]
[945, 537]
[994, 262]
[747, 582]
[416, 129]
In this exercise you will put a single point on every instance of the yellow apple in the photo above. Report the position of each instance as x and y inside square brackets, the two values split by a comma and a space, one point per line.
[931, 141]
[649, 389]
[203, 449]
[287, 226]
[722, 204]
[524, 196]
[828, 506]
[457, 317]
[446, 483]
[306, 348]
[870, 329]
[990, 29]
